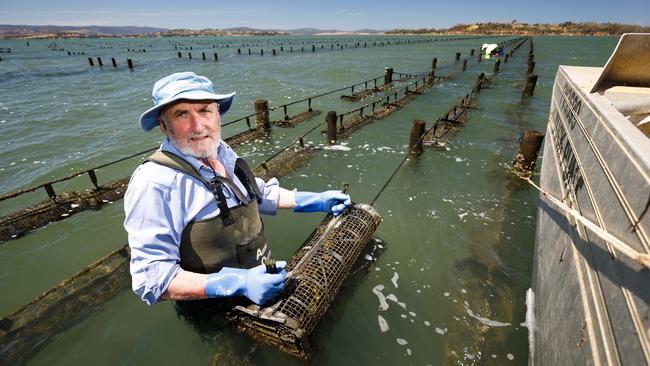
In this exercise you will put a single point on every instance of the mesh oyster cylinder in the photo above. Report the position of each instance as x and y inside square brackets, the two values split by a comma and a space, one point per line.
[315, 274]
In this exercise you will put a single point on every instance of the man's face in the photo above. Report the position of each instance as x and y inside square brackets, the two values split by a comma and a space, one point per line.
[193, 126]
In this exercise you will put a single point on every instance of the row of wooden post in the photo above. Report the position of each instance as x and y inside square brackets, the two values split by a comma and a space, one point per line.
[531, 78]
[274, 53]
[263, 121]
[189, 55]
[129, 62]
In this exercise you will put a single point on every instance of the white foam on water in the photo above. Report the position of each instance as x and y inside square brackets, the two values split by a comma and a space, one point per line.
[337, 148]
[394, 279]
[402, 341]
[403, 316]
[530, 322]
[74, 205]
[383, 305]
[411, 313]
[383, 324]
[510, 356]
[426, 322]
[440, 331]
[368, 257]
[394, 299]
[486, 321]
[460, 216]
[463, 291]
[446, 294]
[408, 351]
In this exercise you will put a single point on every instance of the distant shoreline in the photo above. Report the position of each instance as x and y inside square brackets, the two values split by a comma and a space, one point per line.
[489, 29]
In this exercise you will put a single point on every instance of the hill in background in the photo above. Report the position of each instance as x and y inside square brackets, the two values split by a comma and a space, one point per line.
[496, 28]
[514, 27]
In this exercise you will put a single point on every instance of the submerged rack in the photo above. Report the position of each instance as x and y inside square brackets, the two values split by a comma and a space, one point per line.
[315, 274]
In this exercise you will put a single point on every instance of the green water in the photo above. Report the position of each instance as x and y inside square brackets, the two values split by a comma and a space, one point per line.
[457, 230]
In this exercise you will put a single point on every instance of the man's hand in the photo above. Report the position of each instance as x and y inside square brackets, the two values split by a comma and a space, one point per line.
[253, 283]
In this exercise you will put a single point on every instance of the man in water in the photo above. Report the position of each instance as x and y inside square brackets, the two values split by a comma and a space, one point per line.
[192, 208]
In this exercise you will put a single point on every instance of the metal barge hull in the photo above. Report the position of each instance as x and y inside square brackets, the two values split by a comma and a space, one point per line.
[592, 304]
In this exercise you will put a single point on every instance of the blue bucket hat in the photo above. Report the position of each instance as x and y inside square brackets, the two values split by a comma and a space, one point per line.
[182, 85]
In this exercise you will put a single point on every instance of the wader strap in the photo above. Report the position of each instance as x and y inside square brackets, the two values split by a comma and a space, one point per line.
[217, 191]
[171, 160]
[243, 172]
[176, 162]
[233, 187]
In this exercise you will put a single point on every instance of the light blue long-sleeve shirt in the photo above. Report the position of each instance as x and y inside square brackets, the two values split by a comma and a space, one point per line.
[161, 201]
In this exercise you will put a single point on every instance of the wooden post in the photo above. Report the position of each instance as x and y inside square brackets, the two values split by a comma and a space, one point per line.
[471, 52]
[203, 55]
[216, 57]
[530, 85]
[434, 63]
[261, 52]
[313, 48]
[262, 121]
[531, 67]
[415, 139]
[480, 57]
[496, 65]
[113, 61]
[457, 56]
[249, 51]
[464, 65]
[529, 145]
[281, 48]
[130, 63]
[189, 54]
[90, 61]
[239, 51]
[388, 75]
[331, 127]
[505, 60]
[99, 62]
[179, 55]
[432, 76]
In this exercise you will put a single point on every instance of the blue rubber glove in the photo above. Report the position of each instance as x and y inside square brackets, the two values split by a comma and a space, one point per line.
[333, 202]
[253, 283]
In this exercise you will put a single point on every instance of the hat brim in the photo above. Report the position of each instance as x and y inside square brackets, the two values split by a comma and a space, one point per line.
[149, 119]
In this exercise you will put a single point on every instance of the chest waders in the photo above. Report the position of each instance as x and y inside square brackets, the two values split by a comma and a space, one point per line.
[235, 237]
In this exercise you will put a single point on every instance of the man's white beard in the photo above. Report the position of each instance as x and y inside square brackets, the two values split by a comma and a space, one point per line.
[201, 150]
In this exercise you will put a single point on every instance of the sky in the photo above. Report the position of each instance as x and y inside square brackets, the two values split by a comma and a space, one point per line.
[331, 14]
